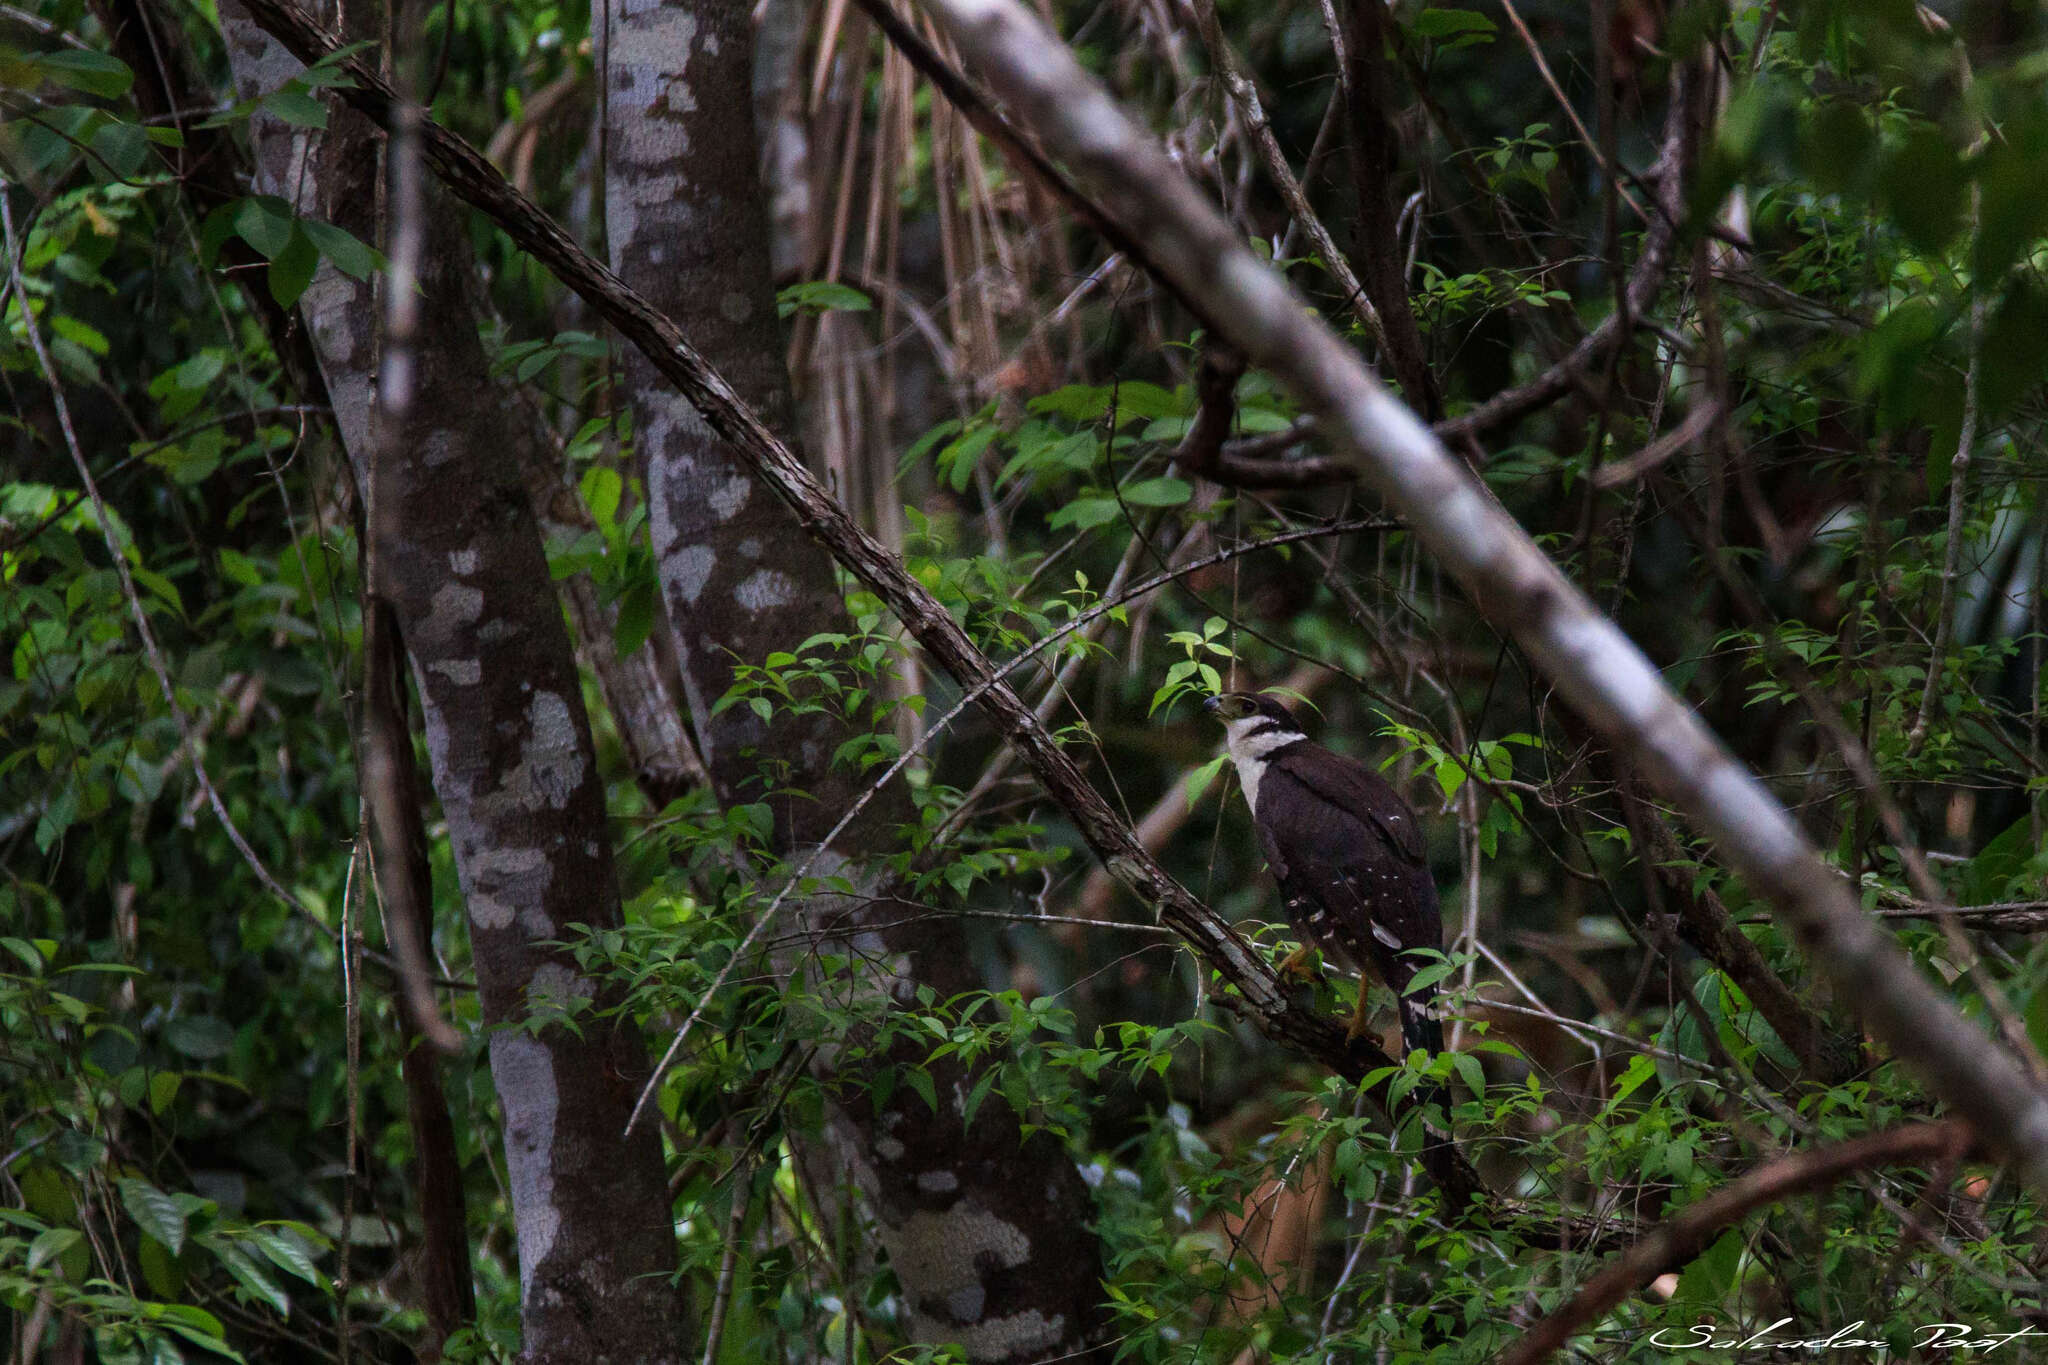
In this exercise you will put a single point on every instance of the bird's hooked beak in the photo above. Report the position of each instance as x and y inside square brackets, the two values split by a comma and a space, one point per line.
[1214, 706]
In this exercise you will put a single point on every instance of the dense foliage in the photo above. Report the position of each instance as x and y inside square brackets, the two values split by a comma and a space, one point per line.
[1810, 478]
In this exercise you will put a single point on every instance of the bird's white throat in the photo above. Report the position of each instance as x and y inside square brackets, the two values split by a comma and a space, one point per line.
[1250, 742]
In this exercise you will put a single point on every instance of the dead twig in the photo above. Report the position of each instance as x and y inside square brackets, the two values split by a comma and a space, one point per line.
[1952, 555]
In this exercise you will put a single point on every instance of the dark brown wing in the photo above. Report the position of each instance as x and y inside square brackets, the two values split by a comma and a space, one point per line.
[1351, 785]
[1349, 856]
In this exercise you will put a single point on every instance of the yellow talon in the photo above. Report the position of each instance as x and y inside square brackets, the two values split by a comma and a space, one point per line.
[1295, 964]
[1355, 1026]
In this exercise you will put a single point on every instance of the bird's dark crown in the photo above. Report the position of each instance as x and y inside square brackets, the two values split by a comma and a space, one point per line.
[1230, 706]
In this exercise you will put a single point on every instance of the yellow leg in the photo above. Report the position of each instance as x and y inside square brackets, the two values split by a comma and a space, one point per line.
[1295, 964]
[1355, 1026]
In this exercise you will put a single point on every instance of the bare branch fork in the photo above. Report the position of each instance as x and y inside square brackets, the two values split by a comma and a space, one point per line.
[1282, 1013]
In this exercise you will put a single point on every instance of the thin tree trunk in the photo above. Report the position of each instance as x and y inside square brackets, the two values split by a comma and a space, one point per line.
[510, 749]
[986, 1231]
[405, 889]
[1374, 151]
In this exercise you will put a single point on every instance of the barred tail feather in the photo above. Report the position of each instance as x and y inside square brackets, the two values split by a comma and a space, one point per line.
[1420, 1028]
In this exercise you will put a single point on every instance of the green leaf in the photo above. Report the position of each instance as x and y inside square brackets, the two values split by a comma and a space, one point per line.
[1923, 183]
[1078, 402]
[1987, 876]
[265, 222]
[1135, 399]
[80, 334]
[1471, 1072]
[155, 1212]
[349, 255]
[288, 1249]
[199, 1036]
[1200, 778]
[251, 1277]
[163, 1089]
[291, 269]
[159, 587]
[636, 618]
[1085, 514]
[1709, 1278]
[602, 488]
[124, 147]
[205, 1340]
[294, 105]
[818, 296]
[83, 69]
[215, 231]
[1640, 1070]
[160, 1269]
[959, 457]
[50, 1245]
[1444, 23]
[1163, 492]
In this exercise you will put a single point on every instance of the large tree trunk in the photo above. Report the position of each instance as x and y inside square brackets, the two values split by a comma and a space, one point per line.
[462, 567]
[986, 1231]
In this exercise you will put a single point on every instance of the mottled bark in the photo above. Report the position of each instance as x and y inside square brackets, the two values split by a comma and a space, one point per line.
[213, 170]
[510, 748]
[636, 690]
[986, 1231]
[785, 133]
[686, 219]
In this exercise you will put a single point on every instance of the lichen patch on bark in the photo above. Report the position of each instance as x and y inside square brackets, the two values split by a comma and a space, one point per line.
[454, 606]
[524, 1075]
[764, 589]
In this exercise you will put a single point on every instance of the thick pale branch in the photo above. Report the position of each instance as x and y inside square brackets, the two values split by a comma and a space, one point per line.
[1596, 667]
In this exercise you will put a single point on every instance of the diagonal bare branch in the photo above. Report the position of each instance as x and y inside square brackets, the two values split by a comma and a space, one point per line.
[1598, 670]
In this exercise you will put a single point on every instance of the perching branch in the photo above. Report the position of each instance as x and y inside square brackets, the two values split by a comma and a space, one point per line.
[1693, 1229]
[1596, 668]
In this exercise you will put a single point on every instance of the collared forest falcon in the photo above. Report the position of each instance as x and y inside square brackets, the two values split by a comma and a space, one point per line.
[1347, 852]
